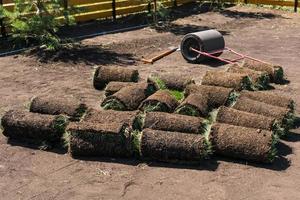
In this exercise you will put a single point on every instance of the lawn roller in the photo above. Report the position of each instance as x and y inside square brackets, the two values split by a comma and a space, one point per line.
[198, 46]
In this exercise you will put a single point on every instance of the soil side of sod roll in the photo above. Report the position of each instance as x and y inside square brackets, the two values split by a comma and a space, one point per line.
[275, 72]
[217, 96]
[105, 74]
[171, 81]
[58, 105]
[270, 98]
[174, 122]
[128, 98]
[19, 124]
[173, 146]
[229, 80]
[240, 118]
[194, 105]
[243, 143]
[260, 79]
[113, 87]
[91, 139]
[252, 106]
[161, 100]
[113, 116]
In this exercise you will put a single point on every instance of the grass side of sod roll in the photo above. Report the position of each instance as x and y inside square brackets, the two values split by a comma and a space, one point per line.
[128, 98]
[105, 74]
[112, 116]
[240, 118]
[161, 100]
[217, 96]
[113, 87]
[275, 72]
[260, 79]
[91, 139]
[229, 80]
[244, 143]
[173, 146]
[71, 107]
[283, 115]
[171, 81]
[175, 122]
[39, 128]
[270, 98]
[194, 105]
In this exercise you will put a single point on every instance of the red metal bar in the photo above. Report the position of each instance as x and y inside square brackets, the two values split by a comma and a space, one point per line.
[211, 56]
[245, 56]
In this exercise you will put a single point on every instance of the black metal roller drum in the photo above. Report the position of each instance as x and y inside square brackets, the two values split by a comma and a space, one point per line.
[207, 41]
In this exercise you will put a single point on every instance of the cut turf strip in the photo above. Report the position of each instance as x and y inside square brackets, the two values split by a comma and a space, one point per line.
[240, 118]
[283, 115]
[217, 96]
[275, 72]
[270, 98]
[58, 105]
[161, 100]
[132, 118]
[244, 143]
[173, 146]
[261, 80]
[113, 87]
[91, 139]
[128, 98]
[18, 124]
[175, 122]
[171, 81]
[229, 80]
[105, 74]
[194, 105]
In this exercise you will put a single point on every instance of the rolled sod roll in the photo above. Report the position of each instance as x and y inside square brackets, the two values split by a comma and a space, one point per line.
[174, 122]
[105, 74]
[270, 98]
[58, 105]
[260, 79]
[244, 143]
[229, 80]
[128, 98]
[170, 81]
[161, 100]
[132, 118]
[194, 105]
[113, 87]
[282, 115]
[240, 118]
[217, 96]
[93, 139]
[173, 146]
[19, 124]
[275, 72]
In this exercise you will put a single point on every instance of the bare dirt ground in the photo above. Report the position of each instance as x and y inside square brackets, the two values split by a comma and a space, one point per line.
[27, 173]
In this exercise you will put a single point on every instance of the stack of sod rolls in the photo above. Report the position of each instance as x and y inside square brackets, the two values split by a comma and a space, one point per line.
[260, 79]
[93, 139]
[38, 128]
[71, 107]
[251, 144]
[236, 81]
[240, 118]
[161, 100]
[132, 118]
[114, 86]
[217, 96]
[105, 74]
[283, 115]
[275, 72]
[129, 98]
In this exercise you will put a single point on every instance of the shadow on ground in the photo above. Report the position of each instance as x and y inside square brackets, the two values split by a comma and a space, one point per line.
[89, 55]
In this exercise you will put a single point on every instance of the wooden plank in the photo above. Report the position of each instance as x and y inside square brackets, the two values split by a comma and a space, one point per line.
[95, 7]
[272, 2]
[93, 15]
[132, 9]
[81, 2]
